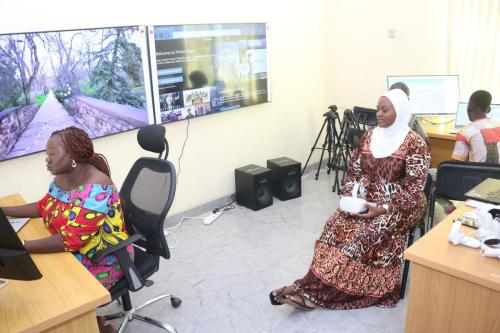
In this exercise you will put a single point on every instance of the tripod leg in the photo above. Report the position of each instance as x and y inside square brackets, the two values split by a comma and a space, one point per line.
[338, 155]
[342, 154]
[330, 145]
[332, 138]
[322, 153]
[312, 149]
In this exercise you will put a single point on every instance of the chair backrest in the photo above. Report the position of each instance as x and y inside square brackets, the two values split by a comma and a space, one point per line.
[365, 116]
[416, 125]
[428, 186]
[147, 194]
[455, 178]
[353, 136]
[492, 146]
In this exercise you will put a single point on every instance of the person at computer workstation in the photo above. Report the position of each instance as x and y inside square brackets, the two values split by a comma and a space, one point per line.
[414, 122]
[357, 259]
[479, 141]
[82, 208]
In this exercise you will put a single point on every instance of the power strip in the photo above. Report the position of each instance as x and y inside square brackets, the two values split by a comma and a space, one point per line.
[212, 217]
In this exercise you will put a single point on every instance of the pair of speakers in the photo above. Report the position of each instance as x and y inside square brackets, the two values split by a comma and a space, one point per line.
[256, 185]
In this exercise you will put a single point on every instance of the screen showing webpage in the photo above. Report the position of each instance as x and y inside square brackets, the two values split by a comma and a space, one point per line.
[208, 68]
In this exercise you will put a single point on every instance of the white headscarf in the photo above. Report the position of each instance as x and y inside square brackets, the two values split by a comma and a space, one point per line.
[385, 141]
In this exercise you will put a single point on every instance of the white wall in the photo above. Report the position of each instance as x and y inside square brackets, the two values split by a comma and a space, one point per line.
[321, 53]
[362, 55]
[217, 144]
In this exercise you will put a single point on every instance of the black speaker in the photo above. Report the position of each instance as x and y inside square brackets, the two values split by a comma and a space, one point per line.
[253, 186]
[286, 178]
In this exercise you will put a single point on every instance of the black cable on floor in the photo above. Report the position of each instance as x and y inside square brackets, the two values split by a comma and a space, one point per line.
[182, 152]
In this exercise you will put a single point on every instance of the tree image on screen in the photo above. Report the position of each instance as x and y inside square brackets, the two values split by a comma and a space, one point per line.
[90, 78]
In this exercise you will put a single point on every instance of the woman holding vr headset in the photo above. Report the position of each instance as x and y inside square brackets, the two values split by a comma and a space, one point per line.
[358, 257]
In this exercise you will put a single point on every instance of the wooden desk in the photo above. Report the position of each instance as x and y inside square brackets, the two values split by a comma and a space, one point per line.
[452, 288]
[440, 139]
[63, 300]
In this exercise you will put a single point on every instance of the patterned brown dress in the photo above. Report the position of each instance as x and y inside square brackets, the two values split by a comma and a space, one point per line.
[357, 262]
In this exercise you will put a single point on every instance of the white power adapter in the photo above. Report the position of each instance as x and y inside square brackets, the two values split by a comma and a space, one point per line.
[211, 217]
[456, 237]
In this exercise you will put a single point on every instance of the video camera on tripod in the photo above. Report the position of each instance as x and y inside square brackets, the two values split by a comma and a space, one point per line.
[332, 113]
[338, 142]
[333, 141]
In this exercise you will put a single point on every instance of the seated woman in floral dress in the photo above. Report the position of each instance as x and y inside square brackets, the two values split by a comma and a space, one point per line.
[358, 257]
[82, 208]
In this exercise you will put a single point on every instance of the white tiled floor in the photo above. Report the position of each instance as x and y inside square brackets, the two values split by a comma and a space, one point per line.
[224, 272]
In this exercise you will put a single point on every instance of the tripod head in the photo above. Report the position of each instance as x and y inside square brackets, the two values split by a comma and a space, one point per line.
[332, 113]
[348, 114]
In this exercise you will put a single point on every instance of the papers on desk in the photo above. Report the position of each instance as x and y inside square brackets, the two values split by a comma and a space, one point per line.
[18, 222]
[479, 204]
[487, 191]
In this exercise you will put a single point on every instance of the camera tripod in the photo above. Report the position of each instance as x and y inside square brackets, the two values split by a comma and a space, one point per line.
[345, 147]
[330, 142]
[336, 143]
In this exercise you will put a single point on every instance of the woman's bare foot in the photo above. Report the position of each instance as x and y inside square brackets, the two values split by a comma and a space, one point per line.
[299, 302]
[276, 296]
[284, 291]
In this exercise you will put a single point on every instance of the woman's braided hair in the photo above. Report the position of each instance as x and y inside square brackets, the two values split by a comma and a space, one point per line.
[78, 145]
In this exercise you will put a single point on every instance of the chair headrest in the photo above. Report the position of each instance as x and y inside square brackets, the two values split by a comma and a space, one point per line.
[152, 138]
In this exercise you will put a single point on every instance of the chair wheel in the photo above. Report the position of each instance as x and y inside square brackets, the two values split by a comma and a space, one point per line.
[176, 302]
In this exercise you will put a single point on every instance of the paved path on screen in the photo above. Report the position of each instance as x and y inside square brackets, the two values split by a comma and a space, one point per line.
[50, 117]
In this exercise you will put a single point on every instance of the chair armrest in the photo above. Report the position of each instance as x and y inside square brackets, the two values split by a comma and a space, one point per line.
[134, 279]
[114, 249]
[432, 203]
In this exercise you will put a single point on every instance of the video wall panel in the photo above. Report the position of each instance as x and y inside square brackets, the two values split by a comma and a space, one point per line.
[115, 79]
[208, 68]
[95, 79]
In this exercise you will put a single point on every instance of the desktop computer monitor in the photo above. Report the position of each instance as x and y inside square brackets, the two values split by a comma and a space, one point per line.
[430, 94]
[462, 118]
[15, 262]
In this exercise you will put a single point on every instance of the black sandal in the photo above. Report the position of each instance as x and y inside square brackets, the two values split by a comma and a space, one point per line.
[278, 299]
[300, 305]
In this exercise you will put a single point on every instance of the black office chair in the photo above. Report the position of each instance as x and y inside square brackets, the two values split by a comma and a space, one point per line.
[411, 236]
[146, 196]
[455, 178]
[363, 119]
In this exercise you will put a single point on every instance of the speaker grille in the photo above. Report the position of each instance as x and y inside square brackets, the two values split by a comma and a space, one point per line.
[253, 186]
[263, 194]
[291, 185]
[286, 178]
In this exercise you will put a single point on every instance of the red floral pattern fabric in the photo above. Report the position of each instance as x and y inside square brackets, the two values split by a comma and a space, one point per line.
[357, 262]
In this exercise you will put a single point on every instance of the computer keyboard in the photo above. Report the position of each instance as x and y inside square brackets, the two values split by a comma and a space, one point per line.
[18, 222]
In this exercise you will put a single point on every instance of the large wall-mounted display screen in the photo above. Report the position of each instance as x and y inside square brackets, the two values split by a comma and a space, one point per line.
[96, 79]
[208, 68]
[431, 94]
